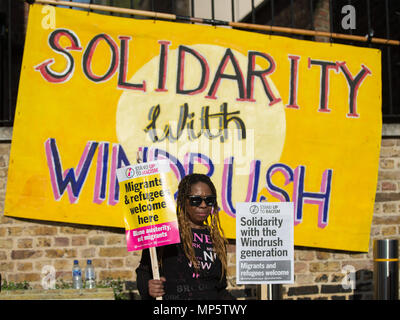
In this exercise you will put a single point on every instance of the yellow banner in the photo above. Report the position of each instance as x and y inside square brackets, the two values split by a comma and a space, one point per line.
[268, 118]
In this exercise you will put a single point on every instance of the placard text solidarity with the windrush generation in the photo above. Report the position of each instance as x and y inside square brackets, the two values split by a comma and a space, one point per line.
[264, 242]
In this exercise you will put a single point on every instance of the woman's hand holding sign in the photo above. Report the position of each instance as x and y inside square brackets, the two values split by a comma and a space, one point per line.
[156, 287]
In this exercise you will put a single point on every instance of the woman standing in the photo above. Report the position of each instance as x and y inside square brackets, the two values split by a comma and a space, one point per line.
[196, 267]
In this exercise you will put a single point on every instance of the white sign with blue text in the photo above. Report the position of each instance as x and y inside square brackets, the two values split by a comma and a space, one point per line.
[264, 242]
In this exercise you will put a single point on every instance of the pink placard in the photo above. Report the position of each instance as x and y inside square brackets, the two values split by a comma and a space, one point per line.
[152, 236]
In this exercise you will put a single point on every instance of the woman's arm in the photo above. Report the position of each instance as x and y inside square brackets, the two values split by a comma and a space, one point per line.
[223, 293]
[147, 286]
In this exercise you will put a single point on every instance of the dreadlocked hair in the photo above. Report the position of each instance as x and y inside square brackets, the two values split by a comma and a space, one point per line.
[213, 223]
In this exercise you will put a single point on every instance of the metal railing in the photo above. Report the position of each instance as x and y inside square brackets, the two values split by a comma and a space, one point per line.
[7, 105]
[378, 18]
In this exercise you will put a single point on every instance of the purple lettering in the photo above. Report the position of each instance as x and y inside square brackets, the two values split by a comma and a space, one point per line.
[321, 199]
[274, 190]
[252, 186]
[100, 184]
[118, 157]
[191, 157]
[70, 179]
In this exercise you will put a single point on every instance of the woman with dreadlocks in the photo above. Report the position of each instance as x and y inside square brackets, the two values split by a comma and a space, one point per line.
[195, 268]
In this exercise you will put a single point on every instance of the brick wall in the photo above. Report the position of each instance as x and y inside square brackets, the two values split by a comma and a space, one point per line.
[321, 19]
[27, 245]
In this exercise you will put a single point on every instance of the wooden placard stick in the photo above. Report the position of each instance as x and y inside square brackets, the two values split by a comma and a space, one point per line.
[154, 266]
[153, 251]
[264, 292]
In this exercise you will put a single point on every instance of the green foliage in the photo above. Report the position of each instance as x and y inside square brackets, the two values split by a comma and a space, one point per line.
[116, 285]
[61, 284]
[15, 285]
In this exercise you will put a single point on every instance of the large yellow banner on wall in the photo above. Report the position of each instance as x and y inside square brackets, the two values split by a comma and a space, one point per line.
[268, 118]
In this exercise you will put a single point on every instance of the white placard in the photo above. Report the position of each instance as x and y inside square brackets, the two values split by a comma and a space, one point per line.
[142, 169]
[264, 243]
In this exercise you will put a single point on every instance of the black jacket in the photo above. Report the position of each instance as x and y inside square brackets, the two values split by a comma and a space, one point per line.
[182, 281]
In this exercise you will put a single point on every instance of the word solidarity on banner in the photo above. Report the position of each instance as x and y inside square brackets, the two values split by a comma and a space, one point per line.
[264, 243]
[268, 118]
[150, 214]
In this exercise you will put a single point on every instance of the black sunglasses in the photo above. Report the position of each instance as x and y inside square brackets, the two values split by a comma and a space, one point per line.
[195, 201]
